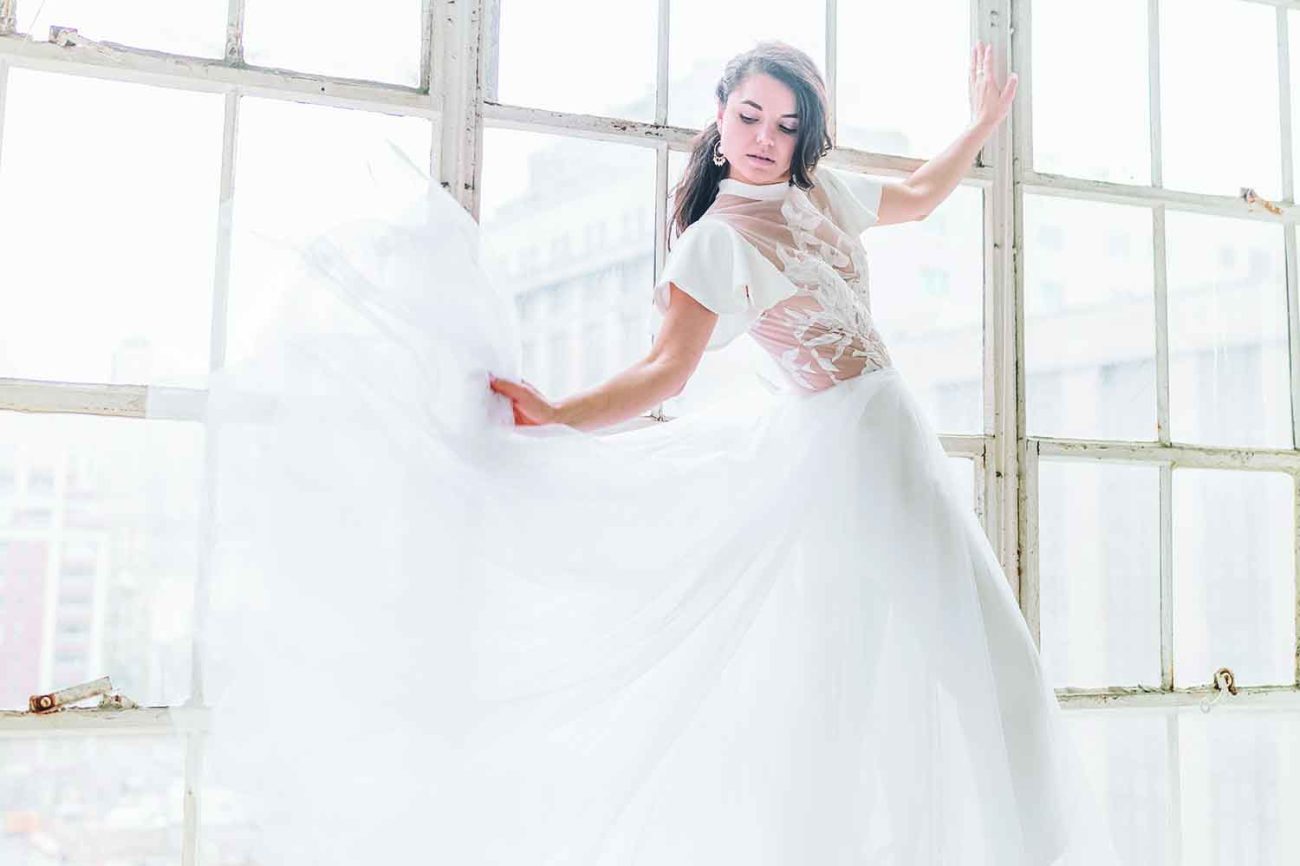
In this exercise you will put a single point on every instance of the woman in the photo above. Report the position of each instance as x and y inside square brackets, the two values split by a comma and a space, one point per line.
[769, 134]
[779, 638]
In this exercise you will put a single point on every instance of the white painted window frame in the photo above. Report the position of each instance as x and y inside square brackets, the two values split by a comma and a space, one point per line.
[457, 95]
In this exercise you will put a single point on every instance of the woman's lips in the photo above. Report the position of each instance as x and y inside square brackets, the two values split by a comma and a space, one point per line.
[758, 159]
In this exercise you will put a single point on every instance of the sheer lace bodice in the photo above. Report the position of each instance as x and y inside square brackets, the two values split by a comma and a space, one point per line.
[811, 308]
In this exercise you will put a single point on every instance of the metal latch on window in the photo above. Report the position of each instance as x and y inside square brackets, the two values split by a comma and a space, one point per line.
[1224, 681]
[56, 701]
[1253, 198]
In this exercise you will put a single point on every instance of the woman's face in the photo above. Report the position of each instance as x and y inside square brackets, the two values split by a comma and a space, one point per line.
[759, 129]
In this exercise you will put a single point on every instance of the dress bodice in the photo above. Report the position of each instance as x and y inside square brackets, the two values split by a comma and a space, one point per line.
[786, 265]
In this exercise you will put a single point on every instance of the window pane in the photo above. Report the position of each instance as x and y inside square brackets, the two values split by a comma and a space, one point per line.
[1089, 320]
[97, 564]
[1099, 573]
[195, 27]
[568, 229]
[107, 241]
[1219, 103]
[613, 75]
[378, 41]
[704, 36]
[1228, 367]
[1234, 576]
[962, 471]
[1239, 785]
[1126, 760]
[927, 297]
[1075, 133]
[302, 169]
[83, 800]
[901, 95]
[1293, 39]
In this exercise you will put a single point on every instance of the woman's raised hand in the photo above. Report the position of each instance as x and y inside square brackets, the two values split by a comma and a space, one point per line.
[988, 103]
[530, 407]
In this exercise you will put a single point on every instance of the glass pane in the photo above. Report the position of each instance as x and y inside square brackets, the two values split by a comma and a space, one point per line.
[568, 228]
[302, 169]
[1293, 39]
[92, 800]
[925, 103]
[107, 241]
[927, 297]
[96, 563]
[1090, 342]
[1074, 132]
[612, 76]
[1125, 754]
[1219, 103]
[1234, 576]
[962, 471]
[1239, 785]
[195, 27]
[1228, 367]
[378, 41]
[1099, 573]
[704, 36]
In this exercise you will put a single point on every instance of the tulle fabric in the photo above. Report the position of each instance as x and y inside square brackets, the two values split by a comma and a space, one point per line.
[433, 637]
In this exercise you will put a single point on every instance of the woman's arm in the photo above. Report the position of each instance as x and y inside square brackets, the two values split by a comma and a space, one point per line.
[661, 374]
[927, 187]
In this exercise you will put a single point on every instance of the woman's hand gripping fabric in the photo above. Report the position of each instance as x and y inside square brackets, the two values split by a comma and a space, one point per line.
[530, 407]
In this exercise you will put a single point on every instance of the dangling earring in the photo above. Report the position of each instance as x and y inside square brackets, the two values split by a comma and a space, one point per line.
[718, 158]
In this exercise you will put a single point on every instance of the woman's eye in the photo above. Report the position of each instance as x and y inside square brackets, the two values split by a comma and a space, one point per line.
[784, 129]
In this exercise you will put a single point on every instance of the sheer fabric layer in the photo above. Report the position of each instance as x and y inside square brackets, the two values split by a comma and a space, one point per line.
[774, 640]
[811, 309]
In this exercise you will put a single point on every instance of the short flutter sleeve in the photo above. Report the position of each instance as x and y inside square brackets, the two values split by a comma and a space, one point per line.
[855, 201]
[714, 264]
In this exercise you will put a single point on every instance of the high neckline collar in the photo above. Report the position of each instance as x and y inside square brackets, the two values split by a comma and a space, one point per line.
[763, 191]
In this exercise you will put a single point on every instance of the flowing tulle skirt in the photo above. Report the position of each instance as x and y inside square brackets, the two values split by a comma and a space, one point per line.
[747, 639]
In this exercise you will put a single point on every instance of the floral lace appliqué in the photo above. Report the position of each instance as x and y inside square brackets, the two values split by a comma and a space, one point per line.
[824, 333]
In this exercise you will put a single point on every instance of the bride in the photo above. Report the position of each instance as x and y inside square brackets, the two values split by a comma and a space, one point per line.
[778, 638]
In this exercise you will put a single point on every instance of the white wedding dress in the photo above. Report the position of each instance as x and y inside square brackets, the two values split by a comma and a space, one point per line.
[772, 640]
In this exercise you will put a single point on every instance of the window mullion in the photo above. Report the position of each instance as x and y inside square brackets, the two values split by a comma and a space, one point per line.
[1292, 280]
[427, 60]
[831, 11]
[661, 64]
[1295, 527]
[1003, 291]
[1174, 789]
[207, 491]
[1019, 478]
[1030, 573]
[458, 30]
[235, 32]
[1161, 301]
[194, 748]
[661, 162]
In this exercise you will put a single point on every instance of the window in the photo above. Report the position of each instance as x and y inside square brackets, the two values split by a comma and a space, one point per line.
[1143, 489]
[1160, 409]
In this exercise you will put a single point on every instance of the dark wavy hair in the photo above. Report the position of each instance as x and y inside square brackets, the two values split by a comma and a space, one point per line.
[698, 186]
